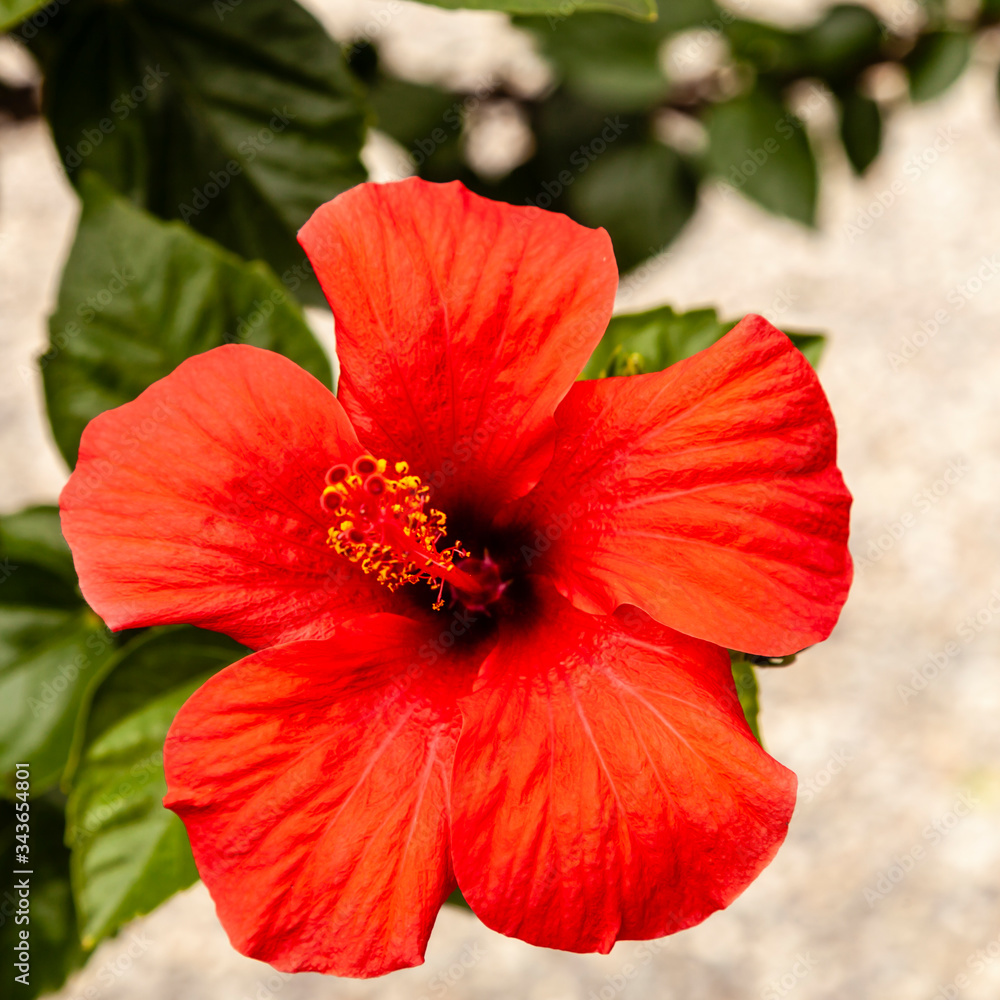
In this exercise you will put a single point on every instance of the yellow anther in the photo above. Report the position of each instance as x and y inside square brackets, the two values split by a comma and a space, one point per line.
[390, 531]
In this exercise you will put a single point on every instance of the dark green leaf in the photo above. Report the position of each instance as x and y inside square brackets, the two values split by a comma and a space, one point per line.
[34, 535]
[362, 60]
[238, 116]
[129, 853]
[49, 659]
[410, 112]
[643, 195]
[571, 135]
[768, 49]
[608, 62]
[654, 340]
[843, 42]
[746, 688]
[457, 899]
[53, 648]
[36, 567]
[139, 296]
[557, 10]
[169, 657]
[860, 129]
[54, 945]
[759, 148]
[936, 62]
[611, 63]
[14, 11]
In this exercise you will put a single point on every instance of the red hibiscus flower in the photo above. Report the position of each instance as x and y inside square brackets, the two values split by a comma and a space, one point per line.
[489, 602]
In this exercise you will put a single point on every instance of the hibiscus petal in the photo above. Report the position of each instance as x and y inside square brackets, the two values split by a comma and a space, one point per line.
[461, 324]
[707, 494]
[313, 779]
[606, 785]
[199, 502]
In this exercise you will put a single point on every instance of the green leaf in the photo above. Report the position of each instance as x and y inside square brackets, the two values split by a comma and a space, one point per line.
[54, 652]
[12, 12]
[129, 852]
[457, 899]
[239, 116]
[759, 148]
[169, 657]
[411, 112]
[138, 296]
[36, 566]
[936, 62]
[53, 648]
[34, 535]
[860, 129]
[643, 195]
[770, 50]
[609, 62]
[54, 945]
[746, 688]
[49, 658]
[810, 344]
[556, 10]
[845, 40]
[654, 340]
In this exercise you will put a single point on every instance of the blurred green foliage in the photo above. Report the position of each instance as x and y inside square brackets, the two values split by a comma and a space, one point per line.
[12, 12]
[641, 10]
[639, 114]
[200, 136]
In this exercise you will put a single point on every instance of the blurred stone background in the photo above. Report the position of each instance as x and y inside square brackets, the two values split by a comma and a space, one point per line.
[889, 883]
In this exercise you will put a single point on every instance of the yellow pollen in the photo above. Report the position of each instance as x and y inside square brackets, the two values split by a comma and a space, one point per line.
[383, 524]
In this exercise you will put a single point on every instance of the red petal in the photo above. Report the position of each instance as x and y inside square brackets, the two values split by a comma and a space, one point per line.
[199, 502]
[313, 782]
[708, 494]
[606, 785]
[461, 324]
